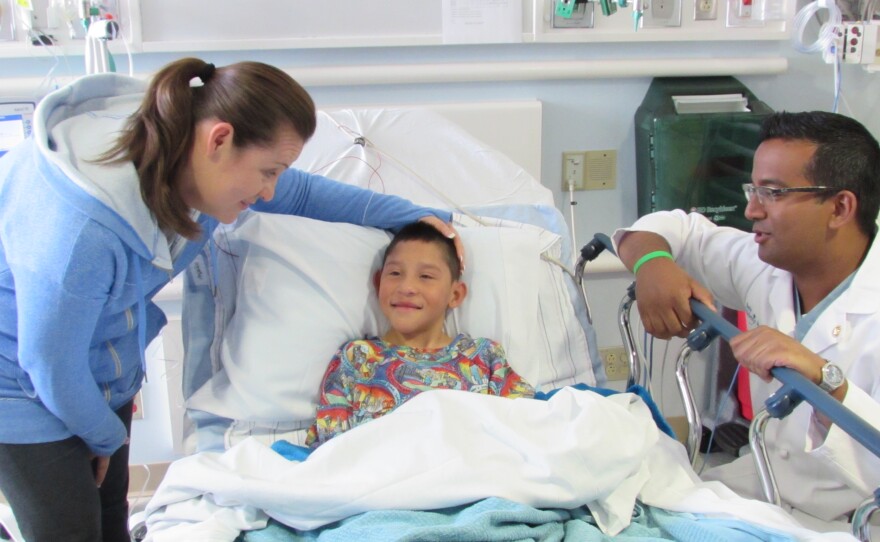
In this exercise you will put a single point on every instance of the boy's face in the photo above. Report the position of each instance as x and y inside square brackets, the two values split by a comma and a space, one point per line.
[416, 288]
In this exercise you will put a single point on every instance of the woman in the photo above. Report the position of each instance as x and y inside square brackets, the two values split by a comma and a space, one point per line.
[118, 190]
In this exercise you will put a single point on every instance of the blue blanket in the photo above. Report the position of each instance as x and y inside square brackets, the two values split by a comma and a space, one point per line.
[497, 520]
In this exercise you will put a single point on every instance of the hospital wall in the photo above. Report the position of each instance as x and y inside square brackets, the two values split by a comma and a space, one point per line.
[583, 112]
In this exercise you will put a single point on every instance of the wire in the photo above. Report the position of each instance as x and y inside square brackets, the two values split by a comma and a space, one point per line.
[127, 52]
[718, 414]
[827, 30]
[571, 205]
[870, 9]
[142, 492]
[849, 109]
[837, 80]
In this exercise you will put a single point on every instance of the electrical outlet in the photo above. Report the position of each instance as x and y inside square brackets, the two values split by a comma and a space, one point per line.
[137, 412]
[660, 13]
[834, 51]
[573, 170]
[589, 170]
[616, 363]
[705, 10]
[853, 39]
[581, 15]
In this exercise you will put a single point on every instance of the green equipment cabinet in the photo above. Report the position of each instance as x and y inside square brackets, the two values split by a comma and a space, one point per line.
[695, 141]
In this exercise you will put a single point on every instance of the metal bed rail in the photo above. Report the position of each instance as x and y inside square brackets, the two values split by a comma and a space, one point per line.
[637, 367]
[795, 389]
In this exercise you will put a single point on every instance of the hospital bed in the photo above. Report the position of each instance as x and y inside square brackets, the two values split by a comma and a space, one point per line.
[268, 303]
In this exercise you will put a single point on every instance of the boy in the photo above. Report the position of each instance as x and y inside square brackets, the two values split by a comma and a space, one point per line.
[419, 281]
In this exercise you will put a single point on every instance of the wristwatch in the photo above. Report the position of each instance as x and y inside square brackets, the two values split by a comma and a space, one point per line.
[832, 377]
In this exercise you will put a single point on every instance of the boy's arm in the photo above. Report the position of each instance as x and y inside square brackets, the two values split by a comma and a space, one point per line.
[503, 380]
[334, 403]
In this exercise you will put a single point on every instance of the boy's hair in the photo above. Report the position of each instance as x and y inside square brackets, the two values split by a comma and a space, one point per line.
[421, 231]
[847, 156]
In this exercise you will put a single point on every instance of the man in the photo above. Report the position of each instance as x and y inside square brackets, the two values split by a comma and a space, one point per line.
[806, 278]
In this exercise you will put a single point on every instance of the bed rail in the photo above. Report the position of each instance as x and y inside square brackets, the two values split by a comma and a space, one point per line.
[637, 367]
[590, 252]
[795, 389]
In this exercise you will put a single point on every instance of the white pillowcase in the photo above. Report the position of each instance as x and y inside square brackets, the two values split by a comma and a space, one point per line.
[304, 287]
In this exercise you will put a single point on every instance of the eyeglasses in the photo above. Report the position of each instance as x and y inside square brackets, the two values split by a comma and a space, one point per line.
[767, 194]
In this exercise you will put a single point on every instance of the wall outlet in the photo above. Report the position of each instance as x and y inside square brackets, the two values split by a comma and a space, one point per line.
[853, 40]
[660, 13]
[834, 51]
[705, 10]
[138, 407]
[581, 15]
[573, 170]
[616, 363]
[589, 170]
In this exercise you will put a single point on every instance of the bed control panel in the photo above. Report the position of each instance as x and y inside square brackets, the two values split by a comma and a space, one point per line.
[16, 123]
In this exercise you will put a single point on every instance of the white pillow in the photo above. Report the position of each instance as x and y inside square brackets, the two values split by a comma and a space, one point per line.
[304, 288]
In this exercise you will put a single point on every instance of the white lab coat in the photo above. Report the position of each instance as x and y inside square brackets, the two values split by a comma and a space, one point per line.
[824, 476]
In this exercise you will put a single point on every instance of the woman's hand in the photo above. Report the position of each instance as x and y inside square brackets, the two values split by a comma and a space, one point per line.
[100, 464]
[449, 231]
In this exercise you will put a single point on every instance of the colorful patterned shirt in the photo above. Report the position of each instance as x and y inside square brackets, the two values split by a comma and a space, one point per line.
[368, 378]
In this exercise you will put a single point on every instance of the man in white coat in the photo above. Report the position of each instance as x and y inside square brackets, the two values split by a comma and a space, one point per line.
[807, 279]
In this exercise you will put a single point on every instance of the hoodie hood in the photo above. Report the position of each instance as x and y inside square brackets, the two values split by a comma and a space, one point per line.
[73, 126]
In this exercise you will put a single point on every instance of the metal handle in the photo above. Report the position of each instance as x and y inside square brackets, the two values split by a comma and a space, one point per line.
[796, 387]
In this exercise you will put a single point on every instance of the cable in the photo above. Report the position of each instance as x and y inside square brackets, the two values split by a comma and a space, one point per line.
[718, 414]
[571, 204]
[827, 31]
[870, 9]
[127, 52]
[837, 79]
[142, 492]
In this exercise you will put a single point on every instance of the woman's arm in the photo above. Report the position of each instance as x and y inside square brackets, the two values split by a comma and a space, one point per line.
[314, 196]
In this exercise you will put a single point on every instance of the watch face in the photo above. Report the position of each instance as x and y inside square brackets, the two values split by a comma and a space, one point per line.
[832, 376]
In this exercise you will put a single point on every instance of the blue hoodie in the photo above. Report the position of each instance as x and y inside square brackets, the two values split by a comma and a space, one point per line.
[81, 257]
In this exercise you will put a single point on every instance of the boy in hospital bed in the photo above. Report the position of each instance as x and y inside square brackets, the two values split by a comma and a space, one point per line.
[420, 280]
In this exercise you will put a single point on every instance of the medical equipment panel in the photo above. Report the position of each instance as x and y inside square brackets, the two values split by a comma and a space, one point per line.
[695, 140]
[16, 123]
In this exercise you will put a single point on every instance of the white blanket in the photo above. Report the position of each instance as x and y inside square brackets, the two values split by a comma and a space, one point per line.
[447, 448]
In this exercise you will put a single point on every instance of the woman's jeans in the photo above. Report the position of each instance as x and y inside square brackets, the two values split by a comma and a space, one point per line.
[51, 489]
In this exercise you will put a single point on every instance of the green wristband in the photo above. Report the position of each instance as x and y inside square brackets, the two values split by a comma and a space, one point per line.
[650, 256]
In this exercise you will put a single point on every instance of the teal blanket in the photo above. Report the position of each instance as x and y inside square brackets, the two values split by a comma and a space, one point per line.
[497, 520]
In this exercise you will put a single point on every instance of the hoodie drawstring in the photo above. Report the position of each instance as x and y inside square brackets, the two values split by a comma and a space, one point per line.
[141, 319]
[214, 270]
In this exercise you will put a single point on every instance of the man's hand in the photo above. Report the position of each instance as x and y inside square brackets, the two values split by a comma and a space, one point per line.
[663, 294]
[761, 349]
